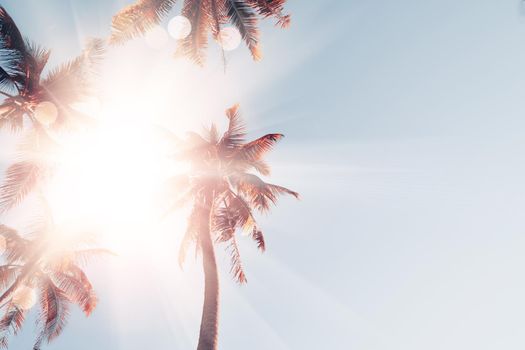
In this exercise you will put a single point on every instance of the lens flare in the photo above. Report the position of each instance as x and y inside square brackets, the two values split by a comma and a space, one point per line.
[179, 27]
[229, 38]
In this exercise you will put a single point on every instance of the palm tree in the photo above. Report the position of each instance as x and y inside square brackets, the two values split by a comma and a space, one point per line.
[50, 266]
[21, 65]
[205, 16]
[224, 194]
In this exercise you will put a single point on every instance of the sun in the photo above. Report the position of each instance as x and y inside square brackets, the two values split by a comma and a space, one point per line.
[108, 178]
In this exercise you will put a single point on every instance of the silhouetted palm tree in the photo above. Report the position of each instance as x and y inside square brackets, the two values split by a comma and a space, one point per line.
[205, 16]
[21, 66]
[223, 194]
[51, 267]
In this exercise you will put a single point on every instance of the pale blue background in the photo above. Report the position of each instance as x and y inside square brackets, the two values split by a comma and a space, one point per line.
[405, 136]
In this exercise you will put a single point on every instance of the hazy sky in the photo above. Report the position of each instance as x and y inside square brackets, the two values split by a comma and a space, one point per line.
[405, 128]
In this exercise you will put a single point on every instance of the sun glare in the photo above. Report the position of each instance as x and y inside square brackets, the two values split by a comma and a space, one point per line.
[109, 177]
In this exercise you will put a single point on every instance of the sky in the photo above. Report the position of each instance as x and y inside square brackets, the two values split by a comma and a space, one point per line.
[404, 135]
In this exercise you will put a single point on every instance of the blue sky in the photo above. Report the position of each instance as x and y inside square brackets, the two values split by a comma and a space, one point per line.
[404, 135]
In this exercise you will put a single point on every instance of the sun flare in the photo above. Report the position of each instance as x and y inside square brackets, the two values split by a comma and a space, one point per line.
[109, 177]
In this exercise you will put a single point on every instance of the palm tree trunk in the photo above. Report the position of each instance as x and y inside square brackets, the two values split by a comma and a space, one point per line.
[210, 310]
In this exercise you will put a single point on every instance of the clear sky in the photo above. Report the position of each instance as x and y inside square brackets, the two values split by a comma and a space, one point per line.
[405, 127]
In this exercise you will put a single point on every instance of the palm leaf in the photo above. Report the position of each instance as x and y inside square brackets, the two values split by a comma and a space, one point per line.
[54, 305]
[36, 59]
[20, 179]
[13, 51]
[6, 82]
[272, 8]
[223, 224]
[11, 115]
[236, 264]
[71, 81]
[260, 193]
[235, 214]
[8, 274]
[137, 18]
[245, 19]
[199, 14]
[235, 135]
[11, 323]
[78, 289]
[218, 15]
[16, 245]
[258, 237]
[256, 149]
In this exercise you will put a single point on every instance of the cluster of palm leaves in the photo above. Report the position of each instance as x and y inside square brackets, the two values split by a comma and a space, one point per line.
[53, 268]
[221, 186]
[205, 16]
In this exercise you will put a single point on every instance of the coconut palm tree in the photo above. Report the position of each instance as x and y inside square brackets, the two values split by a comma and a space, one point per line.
[223, 195]
[46, 102]
[205, 16]
[26, 92]
[51, 267]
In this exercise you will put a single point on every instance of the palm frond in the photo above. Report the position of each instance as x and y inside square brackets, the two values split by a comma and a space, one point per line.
[223, 224]
[137, 18]
[235, 135]
[258, 237]
[256, 149]
[244, 18]
[236, 264]
[20, 179]
[11, 115]
[71, 81]
[78, 289]
[10, 234]
[10, 34]
[54, 305]
[193, 46]
[16, 245]
[236, 213]
[39, 55]
[11, 323]
[8, 274]
[6, 82]
[261, 167]
[218, 15]
[272, 8]
[260, 193]
[13, 51]
[36, 59]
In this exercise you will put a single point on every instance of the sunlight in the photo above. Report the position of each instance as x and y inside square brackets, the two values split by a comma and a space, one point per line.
[109, 177]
